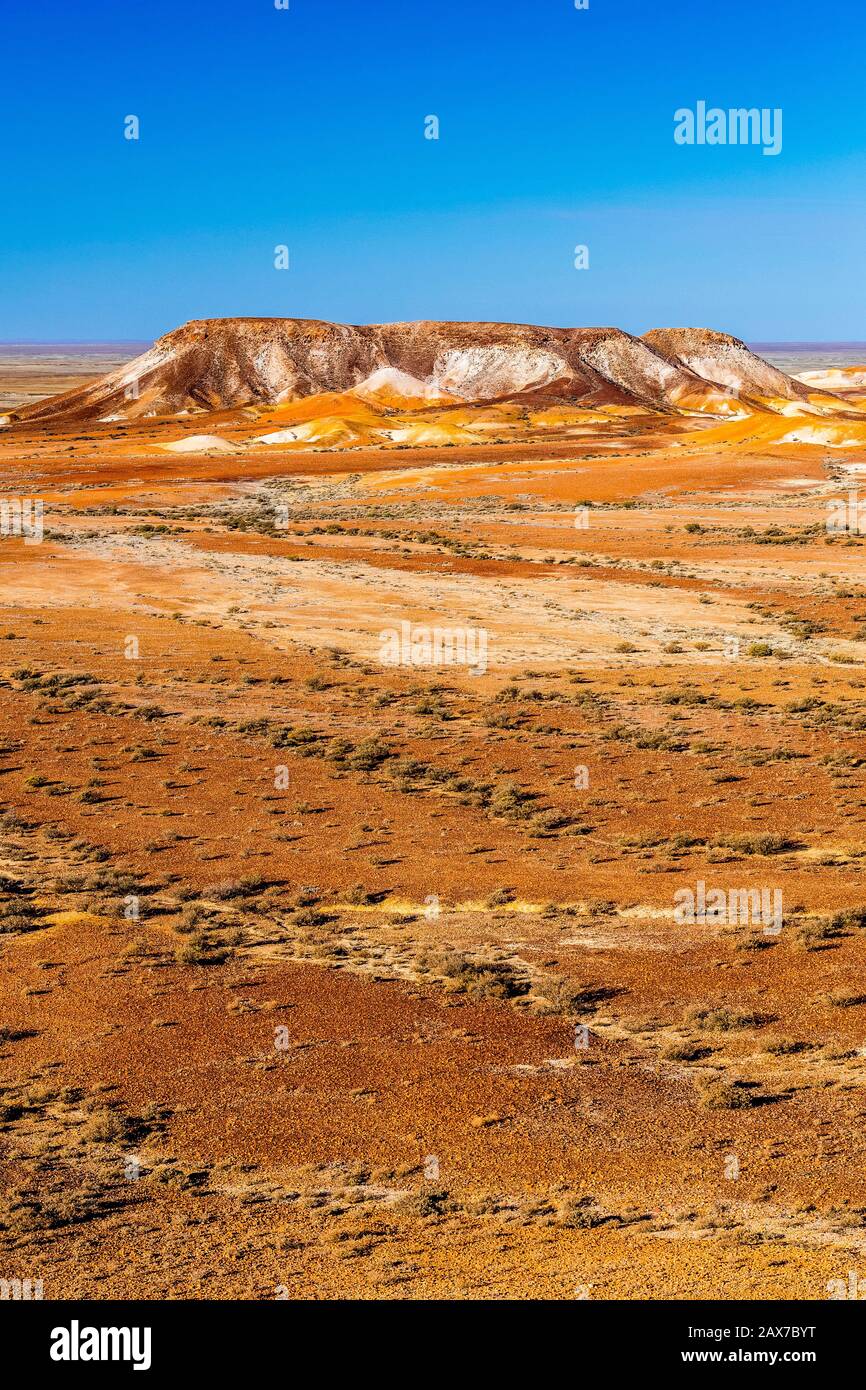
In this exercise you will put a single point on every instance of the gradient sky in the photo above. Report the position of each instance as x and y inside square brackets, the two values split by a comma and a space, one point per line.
[305, 127]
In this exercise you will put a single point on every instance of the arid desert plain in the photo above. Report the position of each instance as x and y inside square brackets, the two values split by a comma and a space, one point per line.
[372, 702]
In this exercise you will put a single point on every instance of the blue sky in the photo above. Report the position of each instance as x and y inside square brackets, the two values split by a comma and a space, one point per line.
[305, 127]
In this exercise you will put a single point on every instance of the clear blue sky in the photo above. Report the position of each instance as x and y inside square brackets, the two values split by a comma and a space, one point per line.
[306, 127]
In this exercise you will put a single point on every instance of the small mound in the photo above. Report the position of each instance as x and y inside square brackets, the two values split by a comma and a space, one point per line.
[833, 378]
[327, 429]
[390, 386]
[709, 401]
[200, 444]
[424, 433]
[796, 408]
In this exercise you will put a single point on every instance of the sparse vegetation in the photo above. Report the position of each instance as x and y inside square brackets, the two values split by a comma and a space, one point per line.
[727, 1095]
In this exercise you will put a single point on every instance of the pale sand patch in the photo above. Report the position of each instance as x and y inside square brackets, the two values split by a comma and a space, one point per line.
[828, 436]
[322, 603]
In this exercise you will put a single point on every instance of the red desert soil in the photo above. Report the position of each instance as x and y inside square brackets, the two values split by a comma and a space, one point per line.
[324, 977]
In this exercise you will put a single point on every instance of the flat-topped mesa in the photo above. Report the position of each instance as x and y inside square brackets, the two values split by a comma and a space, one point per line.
[224, 364]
